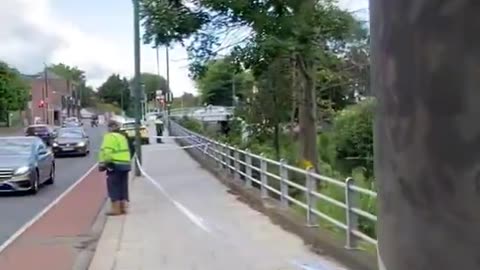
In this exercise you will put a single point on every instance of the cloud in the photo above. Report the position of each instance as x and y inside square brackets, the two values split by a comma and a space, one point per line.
[31, 34]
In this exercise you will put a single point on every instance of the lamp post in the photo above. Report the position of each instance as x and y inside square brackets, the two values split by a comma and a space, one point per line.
[137, 87]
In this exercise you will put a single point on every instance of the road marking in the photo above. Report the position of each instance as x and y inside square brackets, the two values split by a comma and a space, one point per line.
[195, 219]
[37, 217]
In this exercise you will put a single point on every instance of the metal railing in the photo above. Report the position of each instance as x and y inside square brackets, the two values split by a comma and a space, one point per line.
[202, 112]
[292, 186]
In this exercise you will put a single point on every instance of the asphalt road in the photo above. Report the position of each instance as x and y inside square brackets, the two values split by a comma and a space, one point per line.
[17, 210]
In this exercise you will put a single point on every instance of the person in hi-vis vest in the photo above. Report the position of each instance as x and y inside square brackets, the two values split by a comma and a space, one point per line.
[115, 159]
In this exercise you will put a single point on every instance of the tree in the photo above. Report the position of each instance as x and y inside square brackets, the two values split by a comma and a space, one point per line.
[425, 77]
[115, 90]
[221, 83]
[69, 73]
[14, 91]
[153, 82]
[301, 30]
[186, 100]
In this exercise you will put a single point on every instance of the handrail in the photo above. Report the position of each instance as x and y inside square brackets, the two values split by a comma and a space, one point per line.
[274, 179]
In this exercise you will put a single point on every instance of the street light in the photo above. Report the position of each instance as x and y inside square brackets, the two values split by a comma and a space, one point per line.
[137, 86]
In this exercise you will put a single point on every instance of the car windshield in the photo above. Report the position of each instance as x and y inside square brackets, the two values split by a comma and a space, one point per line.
[70, 133]
[9, 147]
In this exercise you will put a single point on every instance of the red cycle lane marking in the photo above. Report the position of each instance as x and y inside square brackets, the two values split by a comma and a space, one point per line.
[49, 243]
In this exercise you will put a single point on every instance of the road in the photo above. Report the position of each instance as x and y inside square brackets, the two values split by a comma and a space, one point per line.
[16, 210]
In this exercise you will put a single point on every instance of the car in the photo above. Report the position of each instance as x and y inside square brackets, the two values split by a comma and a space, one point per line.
[128, 127]
[26, 164]
[42, 131]
[72, 122]
[71, 141]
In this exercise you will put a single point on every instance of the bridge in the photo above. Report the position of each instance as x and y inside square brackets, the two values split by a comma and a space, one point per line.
[208, 113]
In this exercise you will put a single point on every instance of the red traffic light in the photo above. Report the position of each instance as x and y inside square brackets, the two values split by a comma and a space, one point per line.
[41, 104]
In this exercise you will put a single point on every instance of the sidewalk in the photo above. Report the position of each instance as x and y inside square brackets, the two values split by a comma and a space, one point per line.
[183, 218]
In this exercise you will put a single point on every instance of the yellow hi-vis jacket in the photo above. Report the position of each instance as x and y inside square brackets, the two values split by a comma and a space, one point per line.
[114, 152]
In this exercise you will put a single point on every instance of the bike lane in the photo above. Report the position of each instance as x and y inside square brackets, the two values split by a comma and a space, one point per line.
[56, 238]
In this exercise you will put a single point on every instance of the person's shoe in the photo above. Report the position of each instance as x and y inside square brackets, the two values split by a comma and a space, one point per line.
[124, 207]
[115, 209]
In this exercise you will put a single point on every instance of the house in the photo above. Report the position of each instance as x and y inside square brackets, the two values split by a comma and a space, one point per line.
[50, 95]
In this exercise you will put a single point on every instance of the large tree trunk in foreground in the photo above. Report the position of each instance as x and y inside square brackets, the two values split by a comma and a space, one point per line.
[426, 75]
[307, 113]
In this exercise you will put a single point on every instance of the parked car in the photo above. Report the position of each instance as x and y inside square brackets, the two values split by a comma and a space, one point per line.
[71, 141]
[25, 164]
[72, 122]
[42, 131]
[128, 126]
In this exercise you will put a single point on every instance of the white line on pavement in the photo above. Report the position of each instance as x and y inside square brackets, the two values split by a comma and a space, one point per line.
[195, 219]
[37, 217]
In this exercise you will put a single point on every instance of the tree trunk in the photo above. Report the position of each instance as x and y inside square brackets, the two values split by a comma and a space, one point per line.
[307, 113]
[425, 74]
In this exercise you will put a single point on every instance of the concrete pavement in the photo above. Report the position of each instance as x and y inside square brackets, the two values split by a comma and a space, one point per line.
[182, 218]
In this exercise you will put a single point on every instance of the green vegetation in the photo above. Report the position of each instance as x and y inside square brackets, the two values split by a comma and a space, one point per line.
[13, 92]
[302, 67]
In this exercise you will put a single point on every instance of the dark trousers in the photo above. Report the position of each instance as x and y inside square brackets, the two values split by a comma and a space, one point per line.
[117, 185]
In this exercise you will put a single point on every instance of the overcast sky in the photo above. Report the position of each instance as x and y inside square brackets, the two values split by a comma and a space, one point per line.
[95, 35]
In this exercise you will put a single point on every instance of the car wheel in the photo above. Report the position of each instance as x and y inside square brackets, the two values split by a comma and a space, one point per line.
[51, 179]
[35, 184]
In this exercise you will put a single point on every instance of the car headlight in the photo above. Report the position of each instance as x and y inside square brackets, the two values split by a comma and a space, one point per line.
[22, 170]
[81, 144]
[54, 144]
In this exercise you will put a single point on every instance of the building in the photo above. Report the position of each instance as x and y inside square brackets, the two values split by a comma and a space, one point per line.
[50, 96]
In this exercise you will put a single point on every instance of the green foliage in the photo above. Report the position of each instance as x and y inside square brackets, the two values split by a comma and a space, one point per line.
[220, 80]
[14, 91]
[192, 125]
[68, 73]
[115, 90]
[152, 83]
[353, 135]
[186, 100]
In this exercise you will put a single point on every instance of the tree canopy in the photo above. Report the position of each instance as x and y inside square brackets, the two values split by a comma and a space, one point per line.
[314, 44]
[221, 83]
[14, 91]
[115, 90]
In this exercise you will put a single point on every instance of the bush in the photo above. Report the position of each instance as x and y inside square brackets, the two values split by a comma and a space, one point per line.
[353, 136]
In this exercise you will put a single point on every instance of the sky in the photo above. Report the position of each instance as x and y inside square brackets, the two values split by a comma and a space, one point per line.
[96, 36]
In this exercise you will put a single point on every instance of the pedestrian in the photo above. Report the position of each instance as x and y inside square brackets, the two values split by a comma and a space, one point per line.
[131, 148]
[159, 128]
[115, 160]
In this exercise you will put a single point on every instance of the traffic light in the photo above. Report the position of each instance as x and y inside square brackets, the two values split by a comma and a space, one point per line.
[41, 104]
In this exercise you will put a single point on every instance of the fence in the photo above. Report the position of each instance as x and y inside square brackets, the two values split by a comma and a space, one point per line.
[292, 186]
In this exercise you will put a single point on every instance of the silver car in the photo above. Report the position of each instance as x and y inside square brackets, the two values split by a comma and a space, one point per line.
[25, 164]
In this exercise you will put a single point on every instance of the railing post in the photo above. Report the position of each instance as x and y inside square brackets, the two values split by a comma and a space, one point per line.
[219, 155]
[311, 185]
[236, 164]
[225, 155]
[263, 177]
[248, 168]
[283, 183]
[351, 201]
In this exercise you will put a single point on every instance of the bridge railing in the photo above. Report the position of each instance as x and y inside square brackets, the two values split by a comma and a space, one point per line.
[292, 186]
[201, 113]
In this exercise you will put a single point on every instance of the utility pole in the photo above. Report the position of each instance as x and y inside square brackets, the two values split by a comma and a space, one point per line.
[425, 58]
[137, 83]
[45, 94]
[157, 104]
[168, 85]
